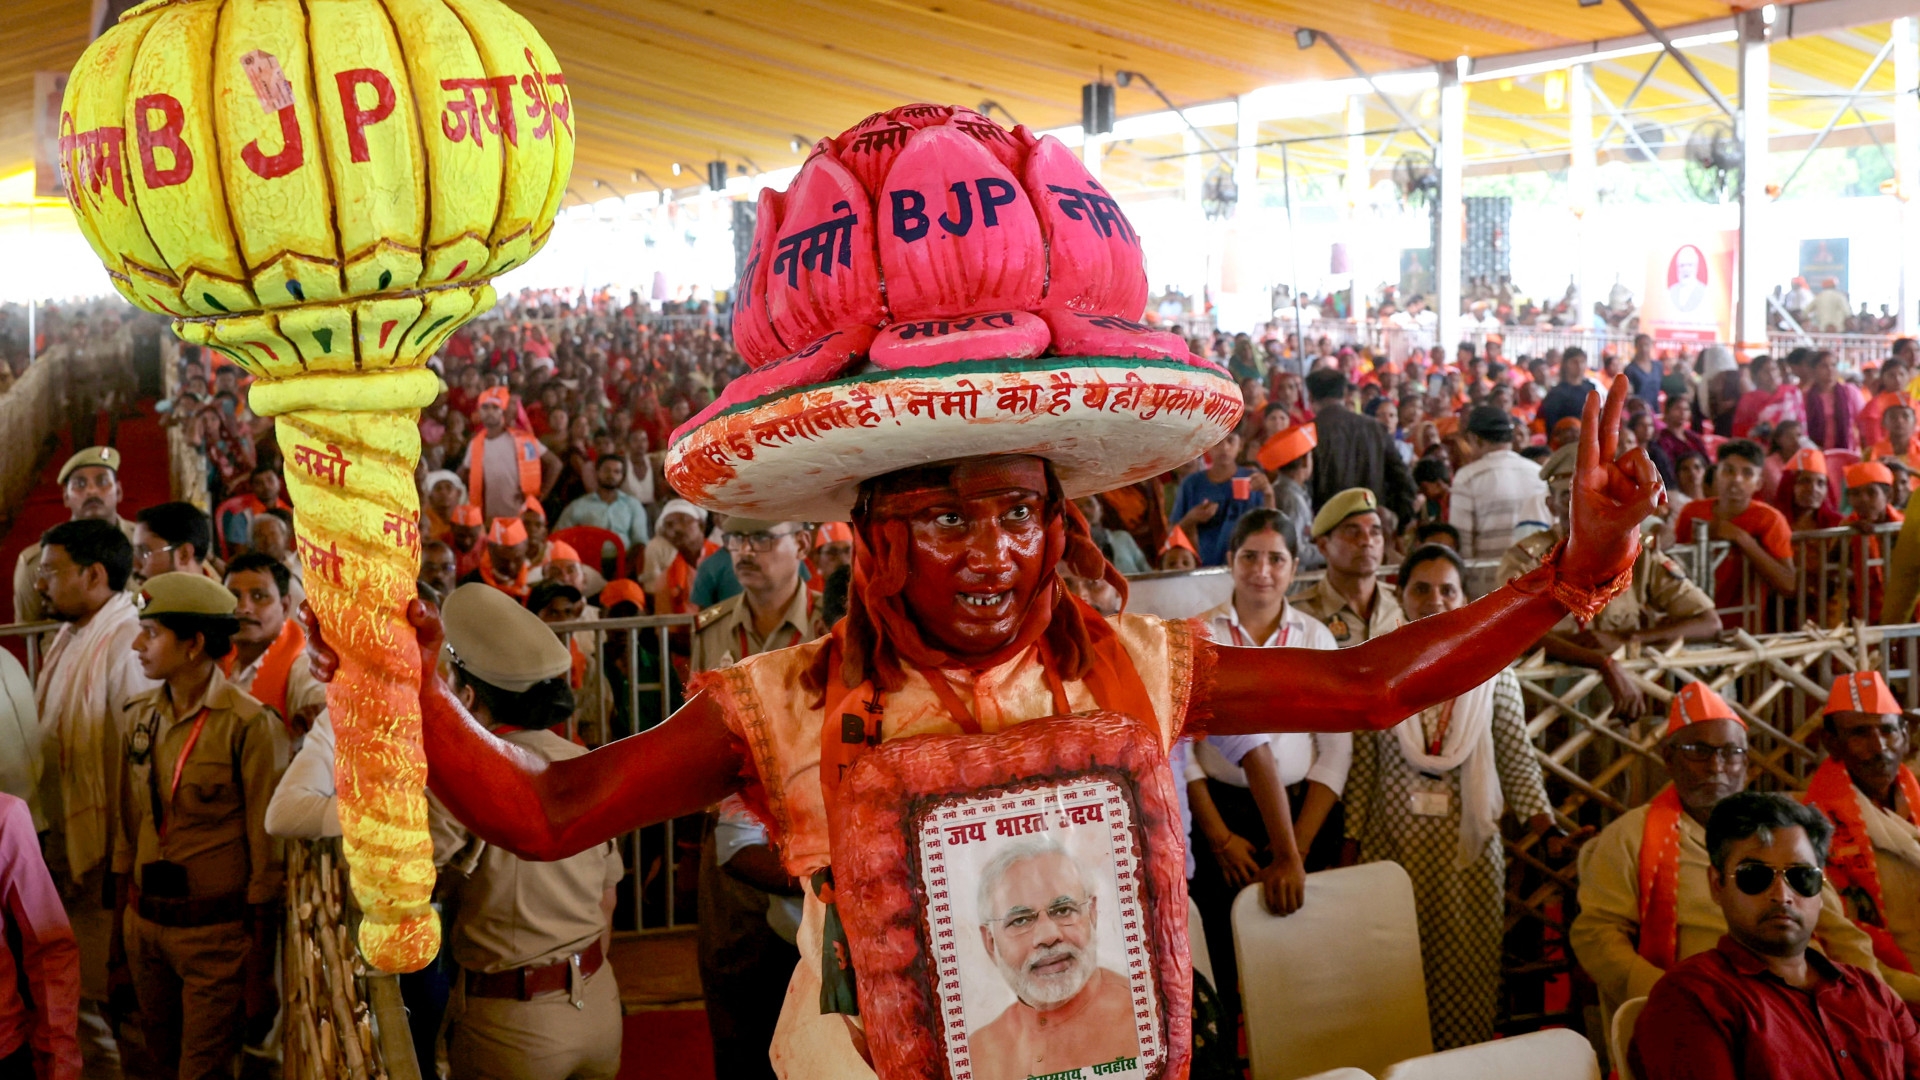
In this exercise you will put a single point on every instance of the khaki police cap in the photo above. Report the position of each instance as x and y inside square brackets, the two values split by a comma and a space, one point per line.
[499, 642]
[185, 594]
[748, 526]
[1341, 507]
[1559, 466]
[105, 457]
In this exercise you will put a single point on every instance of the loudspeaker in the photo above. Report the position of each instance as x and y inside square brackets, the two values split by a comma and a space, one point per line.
[1096, 108]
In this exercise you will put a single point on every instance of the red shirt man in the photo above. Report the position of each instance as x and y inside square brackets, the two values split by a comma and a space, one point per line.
[1759, 533]
[1762, 1005]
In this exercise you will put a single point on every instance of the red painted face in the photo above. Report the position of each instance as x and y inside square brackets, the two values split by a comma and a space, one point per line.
[977, 559]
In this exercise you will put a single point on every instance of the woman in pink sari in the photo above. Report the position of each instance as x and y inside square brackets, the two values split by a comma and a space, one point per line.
[1770, 401]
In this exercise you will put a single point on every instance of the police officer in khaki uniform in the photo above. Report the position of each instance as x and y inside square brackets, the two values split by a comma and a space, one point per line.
[535, 998]
[749, 904]
[203, 881]
[773, 609]
[1352, 600]
[90, 486]
[1661, 606]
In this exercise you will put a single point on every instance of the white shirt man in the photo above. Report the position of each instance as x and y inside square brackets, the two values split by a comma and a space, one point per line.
[1498, 497]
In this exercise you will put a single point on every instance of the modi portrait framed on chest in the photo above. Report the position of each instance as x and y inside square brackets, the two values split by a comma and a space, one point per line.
[1016, 903]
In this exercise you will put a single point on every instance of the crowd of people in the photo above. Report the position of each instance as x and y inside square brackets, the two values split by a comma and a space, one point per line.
[182, 737]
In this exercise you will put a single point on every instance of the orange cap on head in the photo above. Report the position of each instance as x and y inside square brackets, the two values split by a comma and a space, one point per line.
[496, 395]
[1861, 692]
[507, 532]
[622, 591]
[1695, 703]
[1807, 460]
[1177, 538]
[562, 551]
[1566, 423]
[1287, 446]
[466, 515]
[1868, 472]
[833, 532]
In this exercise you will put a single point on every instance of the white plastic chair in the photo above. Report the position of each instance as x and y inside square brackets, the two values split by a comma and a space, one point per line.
[1341, 1074]
[1197, 943]
[1337, 983]
[1621, 1036]
[1555, 1054]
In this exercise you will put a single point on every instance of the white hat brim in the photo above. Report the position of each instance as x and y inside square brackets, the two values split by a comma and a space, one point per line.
[1103, 423]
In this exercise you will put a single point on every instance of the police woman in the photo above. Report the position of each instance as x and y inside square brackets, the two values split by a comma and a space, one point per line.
[201, 881]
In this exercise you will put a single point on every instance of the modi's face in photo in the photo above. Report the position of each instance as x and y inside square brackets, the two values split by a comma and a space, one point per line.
[1038, 917]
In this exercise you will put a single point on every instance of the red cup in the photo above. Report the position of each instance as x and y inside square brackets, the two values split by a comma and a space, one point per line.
[1242, 488]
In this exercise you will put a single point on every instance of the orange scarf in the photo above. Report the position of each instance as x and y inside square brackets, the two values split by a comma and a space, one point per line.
[677, 592]
[851, 721]
[518, 590]
[270, 682]
[1660, 880]
[1851, 864]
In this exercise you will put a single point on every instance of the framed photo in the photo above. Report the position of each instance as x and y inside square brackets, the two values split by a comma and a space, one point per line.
[1016, 903]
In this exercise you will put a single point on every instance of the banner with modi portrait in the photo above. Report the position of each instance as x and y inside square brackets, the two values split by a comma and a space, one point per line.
[1689, 295]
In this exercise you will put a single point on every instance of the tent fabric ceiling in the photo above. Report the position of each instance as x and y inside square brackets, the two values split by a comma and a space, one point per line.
[659, 82]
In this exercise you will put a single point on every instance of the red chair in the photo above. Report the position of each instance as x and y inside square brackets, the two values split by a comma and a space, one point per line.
[586, 538]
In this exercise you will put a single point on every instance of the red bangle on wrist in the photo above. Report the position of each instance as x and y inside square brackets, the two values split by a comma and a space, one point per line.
[1585, 602]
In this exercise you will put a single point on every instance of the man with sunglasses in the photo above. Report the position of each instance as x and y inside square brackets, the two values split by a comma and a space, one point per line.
[749, 904]
[1873, 801]
[1627, 936]
[1762, 1004]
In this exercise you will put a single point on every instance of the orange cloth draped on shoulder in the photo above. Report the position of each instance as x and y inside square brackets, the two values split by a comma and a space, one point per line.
[1660, 841]
[676, 591]
[276, 666]
[1851, 863]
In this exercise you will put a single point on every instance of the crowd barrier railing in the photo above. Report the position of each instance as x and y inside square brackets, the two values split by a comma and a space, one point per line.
[663, 861]
[581, 321]
[1853, 351]
[1839, 577]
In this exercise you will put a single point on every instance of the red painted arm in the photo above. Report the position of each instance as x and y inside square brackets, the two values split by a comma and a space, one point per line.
[543, 810]
[1386, 680]
[1382, 682]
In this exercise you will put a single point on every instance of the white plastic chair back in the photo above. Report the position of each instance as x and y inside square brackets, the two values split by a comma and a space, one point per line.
[1622, 1035]
[1197, 943]
[1337, 983]
[1555, 1054]
[1342, 1074]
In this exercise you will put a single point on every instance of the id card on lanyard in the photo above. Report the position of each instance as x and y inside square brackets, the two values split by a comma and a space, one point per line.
[1241, 639]
[162, 814]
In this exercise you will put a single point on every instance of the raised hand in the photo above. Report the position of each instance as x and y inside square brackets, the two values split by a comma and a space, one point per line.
[1612, 495]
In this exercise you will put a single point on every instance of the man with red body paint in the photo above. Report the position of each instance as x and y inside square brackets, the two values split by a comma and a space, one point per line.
[954, 598]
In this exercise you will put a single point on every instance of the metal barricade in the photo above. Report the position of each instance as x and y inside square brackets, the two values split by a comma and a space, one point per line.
[1853, 351]
[32, 636]
[1839, 577]
[661, 888]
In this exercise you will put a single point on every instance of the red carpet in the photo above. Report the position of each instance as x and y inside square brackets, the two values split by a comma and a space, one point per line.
[143, 479]
[666, 1044]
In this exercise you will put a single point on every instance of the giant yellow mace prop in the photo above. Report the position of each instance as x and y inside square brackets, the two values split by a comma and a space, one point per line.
[320, 191]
